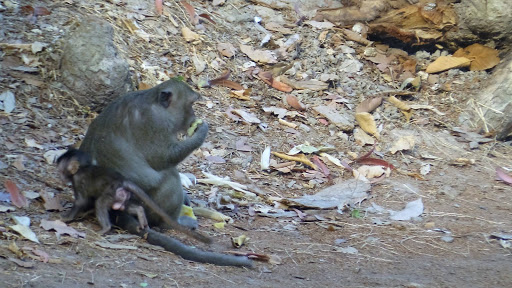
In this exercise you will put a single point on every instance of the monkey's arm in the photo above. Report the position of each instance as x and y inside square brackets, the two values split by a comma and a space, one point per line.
[178, 151]
[128, 223]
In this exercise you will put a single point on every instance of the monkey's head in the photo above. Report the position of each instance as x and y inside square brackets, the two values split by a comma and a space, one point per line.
[121, 198]
[69, 162]
[177, 98]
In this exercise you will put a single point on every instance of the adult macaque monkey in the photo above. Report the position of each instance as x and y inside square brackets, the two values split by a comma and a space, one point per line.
[137, 135]
[107, 190]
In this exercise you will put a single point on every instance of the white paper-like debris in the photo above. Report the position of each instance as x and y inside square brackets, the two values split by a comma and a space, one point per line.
[331, 158]
[37, 47]
[319, 25]
[425, 169]
[52, 155]
[109, 245]
[7, 101]
[249, 117]
[371, 171]
[349, 192]
[412, 209]
[185, 180]
[216, 180]
[32, 143]
[199, 64]
[265, 39]
[4, 208]
[347, 250]
[22, 228]
[21, 220]
[33, 195]
[350, 66]
[304, 148]
[265, 159]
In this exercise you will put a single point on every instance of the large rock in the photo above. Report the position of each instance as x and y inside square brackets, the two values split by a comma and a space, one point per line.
[498, 100]
[483, 20]
[92, 66]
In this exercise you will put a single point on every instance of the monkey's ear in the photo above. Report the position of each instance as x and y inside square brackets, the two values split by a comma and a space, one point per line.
[73, 166]
[166, 98]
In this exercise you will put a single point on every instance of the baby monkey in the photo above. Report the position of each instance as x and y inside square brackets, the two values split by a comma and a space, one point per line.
[105, 189]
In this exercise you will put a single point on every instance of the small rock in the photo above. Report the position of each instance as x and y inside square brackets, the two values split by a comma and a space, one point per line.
[447, 239]
[473, 145]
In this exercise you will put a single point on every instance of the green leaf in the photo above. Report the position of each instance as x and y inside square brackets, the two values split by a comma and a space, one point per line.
[355, 213]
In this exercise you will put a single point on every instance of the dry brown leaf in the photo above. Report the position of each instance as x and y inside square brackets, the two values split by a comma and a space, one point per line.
[501, 174]
[294, 102]
[199, 64]
[354, 36]
[144, 86]
[312, 84]
[286, 123]
[159, 7]
[407, 114]
[367, 123]
[399, 104]
[51, 203]
[323, 35]
[194, 19]
[374, 161]
[361, 138]
[35, 11]
[299, 158]
[404, 108]
[249, 117]
[207, 17]
[409, 65]
[189, 35]
[60, 228]
[241, 94]
[17, 198]
[273, 26]
[227, 83]
[444, 63]
[261, 56]
[482, 57]
[281, 86]
[369, 105]
[416, 24]
[226, 49]
[370, 172]
[266, 76]
[404, 143]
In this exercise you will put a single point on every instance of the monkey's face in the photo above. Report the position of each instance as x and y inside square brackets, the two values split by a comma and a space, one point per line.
[121, 198]
[178, 100]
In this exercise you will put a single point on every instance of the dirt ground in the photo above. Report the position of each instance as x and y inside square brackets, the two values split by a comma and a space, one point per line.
[449, 245]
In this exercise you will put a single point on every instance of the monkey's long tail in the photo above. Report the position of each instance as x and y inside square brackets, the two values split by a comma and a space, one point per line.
[170, 244]
[193, 254]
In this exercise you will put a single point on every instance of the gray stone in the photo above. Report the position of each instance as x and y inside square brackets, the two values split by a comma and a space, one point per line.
[483, 20]
[92, 66]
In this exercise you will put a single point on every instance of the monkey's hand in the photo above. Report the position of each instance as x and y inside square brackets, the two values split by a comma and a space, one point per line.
[181, 149]
[193, 127]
